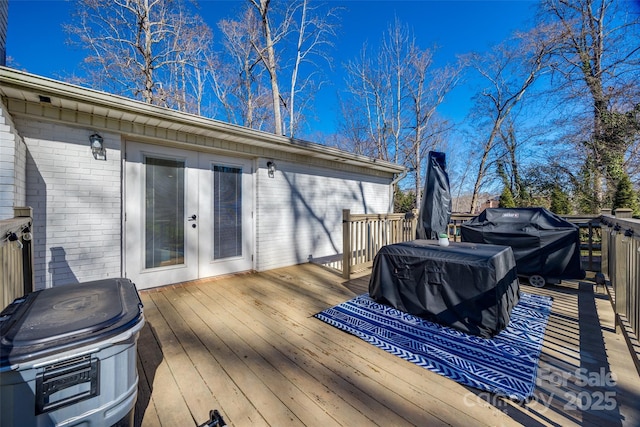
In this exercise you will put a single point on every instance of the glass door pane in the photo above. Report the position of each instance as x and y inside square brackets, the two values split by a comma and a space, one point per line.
[164, 212]
[227, 212]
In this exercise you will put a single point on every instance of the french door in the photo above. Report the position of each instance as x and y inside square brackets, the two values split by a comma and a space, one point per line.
[188, 215]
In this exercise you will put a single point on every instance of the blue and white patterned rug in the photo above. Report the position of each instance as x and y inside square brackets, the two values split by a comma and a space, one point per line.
[506, 364]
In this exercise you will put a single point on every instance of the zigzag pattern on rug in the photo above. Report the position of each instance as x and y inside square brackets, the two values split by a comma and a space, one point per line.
[505, 364]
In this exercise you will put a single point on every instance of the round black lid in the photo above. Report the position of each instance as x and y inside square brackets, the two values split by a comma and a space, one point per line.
[60, 318]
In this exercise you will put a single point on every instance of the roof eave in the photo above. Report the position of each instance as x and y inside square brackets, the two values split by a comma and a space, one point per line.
[33, 86]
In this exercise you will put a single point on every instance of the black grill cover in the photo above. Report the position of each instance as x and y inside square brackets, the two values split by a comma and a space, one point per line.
[435, 209]
[467, 286]
[542, 242]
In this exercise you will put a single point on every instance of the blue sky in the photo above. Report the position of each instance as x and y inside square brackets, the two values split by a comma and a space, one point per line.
[36, 41]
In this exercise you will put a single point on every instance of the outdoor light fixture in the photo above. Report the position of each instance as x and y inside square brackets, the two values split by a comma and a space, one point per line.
[616, 229]
[13, 237]
[97, 147]
[26, 234]
[271, 168]
[628, 233]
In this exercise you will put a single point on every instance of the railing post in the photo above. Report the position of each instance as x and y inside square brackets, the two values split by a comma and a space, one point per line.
[624, 213]
[604, 245]
[620, 278]
[414, 223]
[346, 243]
[622, 266]
[590, 261]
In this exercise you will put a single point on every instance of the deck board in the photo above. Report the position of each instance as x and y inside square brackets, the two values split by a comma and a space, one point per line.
[280, 364]
[312, 366]
[169, 402]
[249, 346]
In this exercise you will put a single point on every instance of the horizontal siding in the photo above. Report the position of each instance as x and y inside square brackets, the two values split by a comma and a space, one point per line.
[300, 211]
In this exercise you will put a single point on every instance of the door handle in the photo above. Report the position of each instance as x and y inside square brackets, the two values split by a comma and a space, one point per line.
[193, 217]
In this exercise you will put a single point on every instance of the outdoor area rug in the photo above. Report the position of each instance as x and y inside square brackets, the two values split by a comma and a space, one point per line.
[505, 364]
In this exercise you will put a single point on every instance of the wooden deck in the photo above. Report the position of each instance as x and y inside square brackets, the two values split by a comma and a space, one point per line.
[249, 346]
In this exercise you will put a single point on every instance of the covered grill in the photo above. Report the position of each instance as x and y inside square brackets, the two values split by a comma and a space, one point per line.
[544, 245]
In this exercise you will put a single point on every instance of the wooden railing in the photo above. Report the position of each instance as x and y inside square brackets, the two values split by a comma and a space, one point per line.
[608, 244]
[621, 263]
[16, 257]
[590, 240]
[363, 235]
[455, 222]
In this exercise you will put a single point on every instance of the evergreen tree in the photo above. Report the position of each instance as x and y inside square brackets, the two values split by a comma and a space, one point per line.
[559, 201]
[523, 197]
[506, 198]
[624, 196]
[404, 202]
[585, 188]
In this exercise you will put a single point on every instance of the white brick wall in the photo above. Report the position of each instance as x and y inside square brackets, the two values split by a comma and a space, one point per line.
[77, 205]
[299, 211]
[76, 201]
[20, 183]
[12, 166]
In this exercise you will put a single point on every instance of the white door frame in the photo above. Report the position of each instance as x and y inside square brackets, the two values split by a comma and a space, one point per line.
[198, 200]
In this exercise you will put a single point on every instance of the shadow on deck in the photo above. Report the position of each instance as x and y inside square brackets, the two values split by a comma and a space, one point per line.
[248, 345]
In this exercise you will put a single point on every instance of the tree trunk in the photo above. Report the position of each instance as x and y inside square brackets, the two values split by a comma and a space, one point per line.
[483, 161]
[145, 28]
[270, 63]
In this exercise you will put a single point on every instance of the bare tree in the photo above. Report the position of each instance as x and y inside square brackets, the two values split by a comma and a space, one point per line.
[369, 88]
[393, 97]
[266, 50]
[238, 79]
[315, 29]
[396, 50]
[511, 165]
[509, 70]
[377, 82]
[426, 88]
[259, 43]
[135, 46]
[598, 57]
[189, 71]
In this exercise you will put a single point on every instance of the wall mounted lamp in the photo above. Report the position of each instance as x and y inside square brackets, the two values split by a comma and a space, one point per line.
[26, 234]
[616, 229]
[97, 147]
[271, 168]
[13, 237]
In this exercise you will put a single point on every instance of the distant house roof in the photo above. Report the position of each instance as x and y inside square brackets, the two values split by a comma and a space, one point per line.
[49, 99]
[492, 202]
